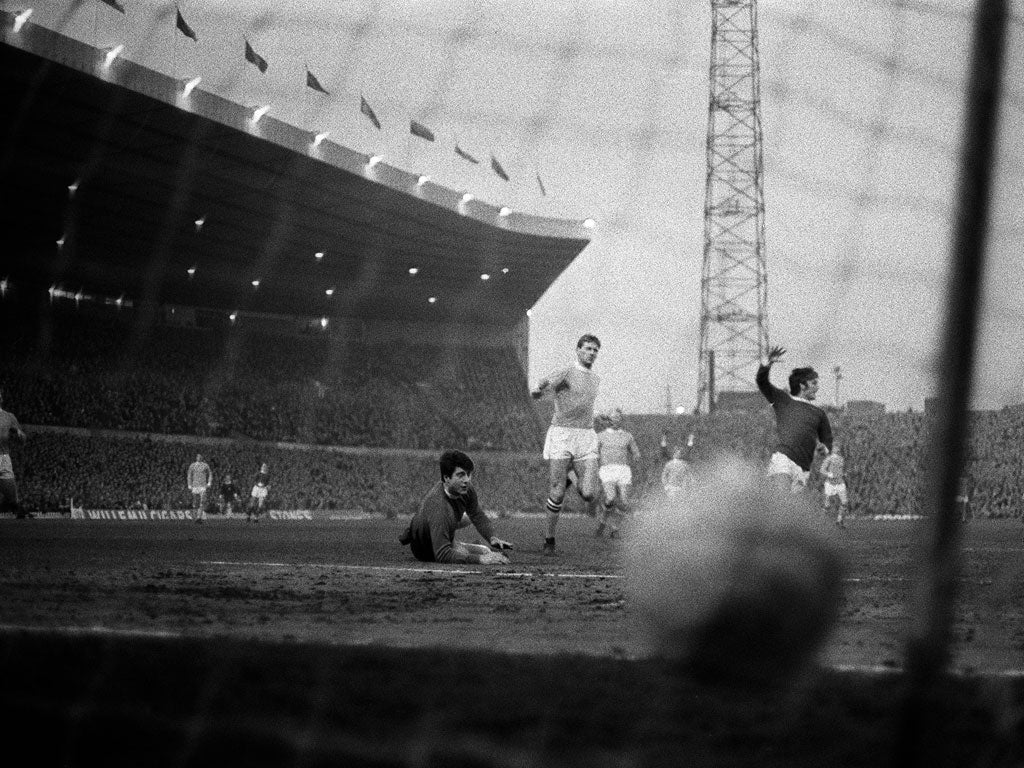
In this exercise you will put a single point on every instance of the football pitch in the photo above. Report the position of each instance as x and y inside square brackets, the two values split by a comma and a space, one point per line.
[325, 643]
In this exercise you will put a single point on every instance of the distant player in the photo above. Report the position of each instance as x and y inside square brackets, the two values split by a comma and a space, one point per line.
[9, 428]
[571, 442]
[833, 470]
[449, 505]
[616, 449]
[258, 497]
[200, 478]
[801, 425]
[229, 496]
[963, 499]
[676, 475]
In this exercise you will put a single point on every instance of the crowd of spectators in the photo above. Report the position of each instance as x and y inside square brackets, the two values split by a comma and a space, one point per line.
[103, 371]
[104, 471]
[251, 391]
[884, 460]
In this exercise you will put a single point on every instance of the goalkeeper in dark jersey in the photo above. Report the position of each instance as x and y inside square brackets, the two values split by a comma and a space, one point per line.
[801, 425]
[449, 505]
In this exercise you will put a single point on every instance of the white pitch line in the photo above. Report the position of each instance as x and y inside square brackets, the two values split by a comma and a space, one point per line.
[514, 574]
[404, 569]
[504, 574]
[339, 566]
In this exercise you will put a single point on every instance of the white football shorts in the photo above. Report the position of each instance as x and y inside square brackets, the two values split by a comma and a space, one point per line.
[6, 468]
[781, 464]
[259, 491]
[577, 443]
[619, 474]
[836, 489]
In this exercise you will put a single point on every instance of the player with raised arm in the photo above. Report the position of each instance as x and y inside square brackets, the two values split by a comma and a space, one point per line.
[616, 448]
[801, 425]
[571, 443]
[833, 470]
[449, 505]
[9, 428]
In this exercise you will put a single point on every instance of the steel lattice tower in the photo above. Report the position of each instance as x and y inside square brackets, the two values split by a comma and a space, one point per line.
[734, 279]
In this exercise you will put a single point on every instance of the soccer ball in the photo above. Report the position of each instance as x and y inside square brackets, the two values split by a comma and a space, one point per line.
[738, 580]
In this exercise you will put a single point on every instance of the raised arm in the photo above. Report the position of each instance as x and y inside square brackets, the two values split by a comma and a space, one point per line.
[763, 383]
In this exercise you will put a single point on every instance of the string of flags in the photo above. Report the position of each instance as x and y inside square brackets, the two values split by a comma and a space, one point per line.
[416, 128]
[184, 28]
[255, 59]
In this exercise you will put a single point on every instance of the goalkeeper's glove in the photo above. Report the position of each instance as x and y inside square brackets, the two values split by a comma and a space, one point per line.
[500, 544]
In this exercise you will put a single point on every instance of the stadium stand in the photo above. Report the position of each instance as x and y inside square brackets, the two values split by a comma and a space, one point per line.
[272, 386]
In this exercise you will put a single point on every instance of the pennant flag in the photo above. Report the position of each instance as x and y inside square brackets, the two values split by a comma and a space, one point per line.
[465, 155]
[496, 167]
[114, 4]
[543, 192]
[184, 28]
[312, 82]
[254, 58]
[367, 110]
[419, 129]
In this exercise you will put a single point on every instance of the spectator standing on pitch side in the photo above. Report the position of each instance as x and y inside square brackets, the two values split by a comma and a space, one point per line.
[200, 478]
[449, 505]
[616, 451]
[801, 424]
[571, 443]
[229, 495]
[9, 427]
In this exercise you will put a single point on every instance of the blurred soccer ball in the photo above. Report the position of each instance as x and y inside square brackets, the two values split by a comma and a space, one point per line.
[738, 580]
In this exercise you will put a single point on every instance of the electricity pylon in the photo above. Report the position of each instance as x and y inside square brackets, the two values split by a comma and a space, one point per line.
[734, 278]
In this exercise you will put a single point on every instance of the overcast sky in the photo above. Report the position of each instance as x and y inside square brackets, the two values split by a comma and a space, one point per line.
[607, 100]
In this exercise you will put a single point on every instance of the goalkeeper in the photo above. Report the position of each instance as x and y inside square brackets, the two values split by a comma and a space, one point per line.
[452, 504]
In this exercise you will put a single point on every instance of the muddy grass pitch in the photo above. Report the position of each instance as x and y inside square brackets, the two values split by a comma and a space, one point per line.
[324, 643]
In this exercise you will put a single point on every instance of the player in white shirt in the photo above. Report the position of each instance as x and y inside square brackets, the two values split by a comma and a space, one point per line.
[833, 470]
[616, 449]
[676, 475]
[571, 443]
